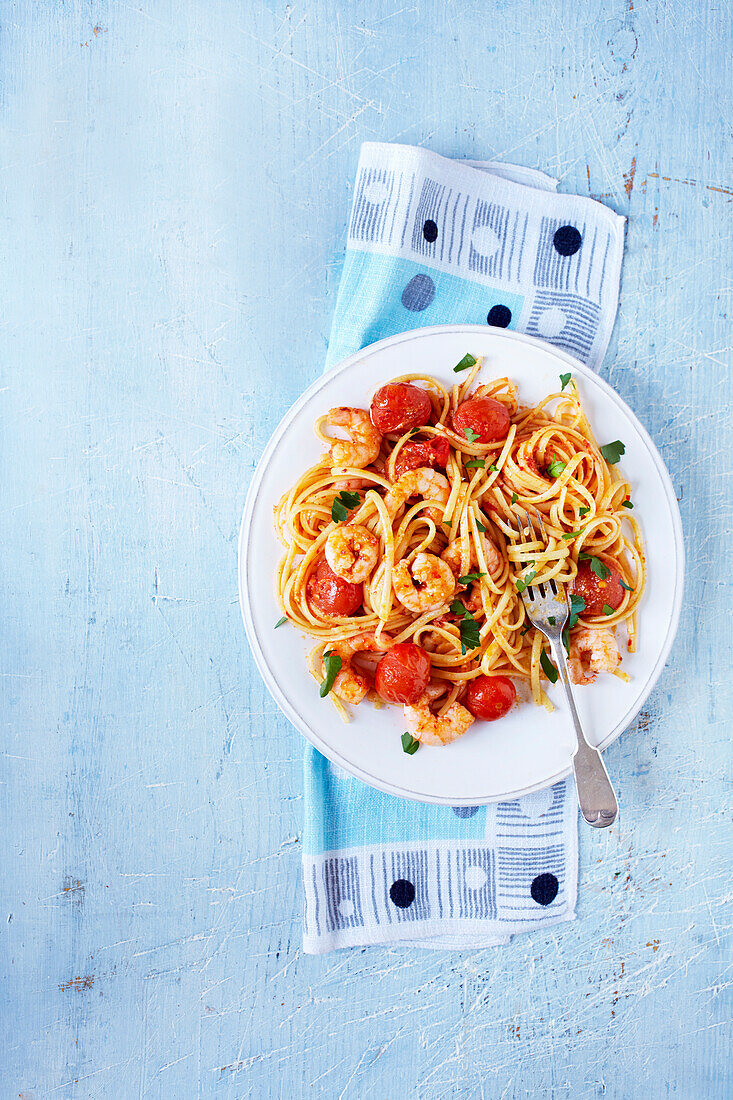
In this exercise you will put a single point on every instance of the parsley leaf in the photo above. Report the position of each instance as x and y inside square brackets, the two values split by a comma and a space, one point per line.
[476, 464]
[551, 620]
[596, 566]
[515, 498]
[280, 622]
[466, 363]
[493, 468]
[583, 511]
[448, 522]
[525, 629]
[470, 435]
[571, 534]
[470, 577]
[612, 451]
[332, 663]
[607, 609]
[548, 668]
[565, 378]
[525, 581]
[577, 605]
[481, 527]
[410, 744]
[343, 504]
[556, 467]
[626, 504]
[469, 633]
[625, 585]
[566, 638]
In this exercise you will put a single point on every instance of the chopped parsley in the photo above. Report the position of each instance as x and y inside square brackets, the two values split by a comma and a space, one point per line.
[343, 504]
[572, 534]
[466, 363]
[470, 435]
[481, 527]
[551, 620]
[626, 504]
[476, 464]
[583, 511]
[525, 581]
[515, 498]
[565, 378]
[623, 585]
[493, 468]
[410, 744]
[556, 467]
[280, 622]
[468, 627]
[607, 609]
[612, 451]
[596, 566]
[448, 522]
[577, 605]
[332, 663]
[525, 629]
[470, 577]
[548, 668]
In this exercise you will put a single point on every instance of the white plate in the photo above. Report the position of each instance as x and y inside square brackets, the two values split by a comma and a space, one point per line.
[530, 748]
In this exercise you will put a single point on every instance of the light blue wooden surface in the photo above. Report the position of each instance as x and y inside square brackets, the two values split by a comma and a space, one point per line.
[175, 185]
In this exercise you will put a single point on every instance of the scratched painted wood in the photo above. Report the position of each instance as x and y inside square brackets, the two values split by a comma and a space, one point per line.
[175, 185]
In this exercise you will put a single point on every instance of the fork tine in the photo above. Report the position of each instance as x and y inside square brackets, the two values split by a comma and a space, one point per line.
[542, 526]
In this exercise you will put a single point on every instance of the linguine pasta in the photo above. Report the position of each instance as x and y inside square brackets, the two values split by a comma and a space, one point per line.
[549, 461]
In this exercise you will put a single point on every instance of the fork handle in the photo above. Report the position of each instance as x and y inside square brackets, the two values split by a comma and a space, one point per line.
[596, 797]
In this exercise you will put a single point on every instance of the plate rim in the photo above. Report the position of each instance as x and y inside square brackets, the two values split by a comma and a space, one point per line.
[254, 487]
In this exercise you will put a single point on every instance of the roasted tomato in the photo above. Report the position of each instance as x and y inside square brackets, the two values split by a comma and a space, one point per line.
[429, 452]
[399, 406]
[597, 592]
[486, 418]
[490, 697]
[403, 673]
[331, 594]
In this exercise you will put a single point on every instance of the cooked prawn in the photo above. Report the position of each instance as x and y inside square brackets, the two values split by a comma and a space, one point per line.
[452, 556]
[424, 584]
[364, 443]
[436, 729]
[352, 552]
[592, 650]
[352, 685]
[423, 482]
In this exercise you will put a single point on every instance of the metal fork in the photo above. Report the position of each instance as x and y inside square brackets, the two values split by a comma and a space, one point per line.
[548, 610]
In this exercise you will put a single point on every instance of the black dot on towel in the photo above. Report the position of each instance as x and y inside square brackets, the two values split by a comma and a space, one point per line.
[544, 889]
[402, 893]
[419, 293]
[499, 316]
[430, 231]
[567, 240]
[465, 811]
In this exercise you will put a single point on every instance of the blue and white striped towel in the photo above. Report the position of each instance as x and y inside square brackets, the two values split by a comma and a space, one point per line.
[434, 241]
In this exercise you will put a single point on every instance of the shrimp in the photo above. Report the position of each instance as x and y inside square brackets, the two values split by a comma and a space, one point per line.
[436, 729]
[592, 650]
[352, 552]
[364, 443]
[425, 584]
[422, 482]
[452, 556]
[352, 685]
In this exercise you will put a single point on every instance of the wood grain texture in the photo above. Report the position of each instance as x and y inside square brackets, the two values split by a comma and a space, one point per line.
[175, 186]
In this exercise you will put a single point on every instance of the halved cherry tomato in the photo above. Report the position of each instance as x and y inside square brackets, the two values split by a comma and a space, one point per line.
[399, 406]
[427, 452]
[596, 592]
[331, 594]
[488, 419]
[490, 697]
[403, 673]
